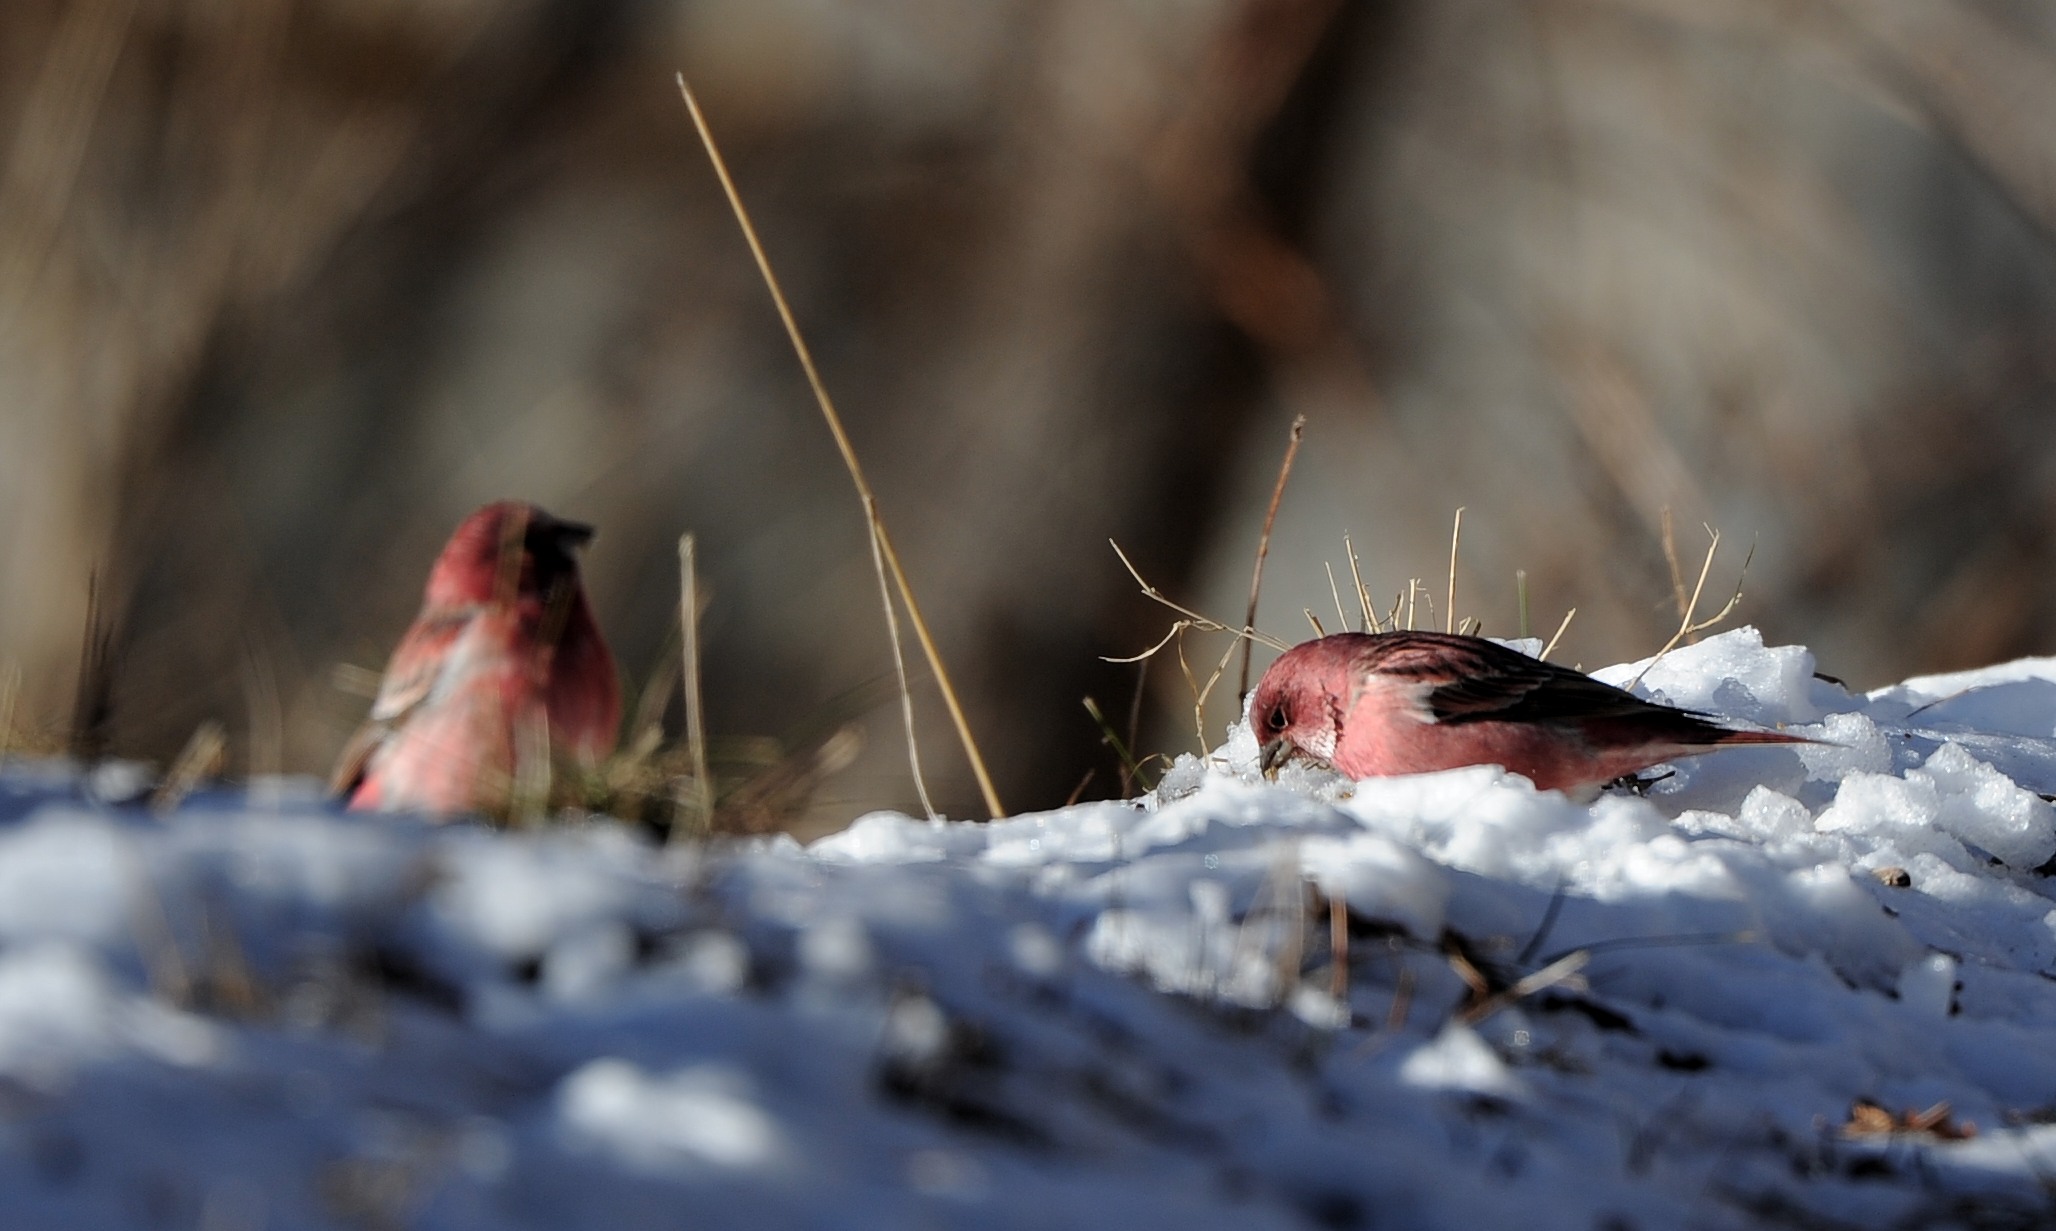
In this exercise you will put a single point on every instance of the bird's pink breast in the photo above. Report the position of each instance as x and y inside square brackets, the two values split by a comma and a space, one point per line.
[455, 751]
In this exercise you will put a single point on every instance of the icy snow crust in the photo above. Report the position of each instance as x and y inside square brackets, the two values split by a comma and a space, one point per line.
[271, 1015]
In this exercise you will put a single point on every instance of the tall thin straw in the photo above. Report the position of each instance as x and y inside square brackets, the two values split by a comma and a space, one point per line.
[849, 456]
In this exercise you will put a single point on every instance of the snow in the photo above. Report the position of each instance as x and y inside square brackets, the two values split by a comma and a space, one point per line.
[1646, 1011]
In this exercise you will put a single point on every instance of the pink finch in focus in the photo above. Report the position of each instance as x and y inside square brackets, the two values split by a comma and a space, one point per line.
[1376, 704]
[504, 660]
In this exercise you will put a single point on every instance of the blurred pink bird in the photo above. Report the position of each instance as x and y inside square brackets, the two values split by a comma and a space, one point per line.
[504, 659]
[1377, 704]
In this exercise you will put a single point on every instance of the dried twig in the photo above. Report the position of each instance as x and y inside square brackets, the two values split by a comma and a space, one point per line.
[1131, 769]
[882, 540]
[1686, 628]
[1549, 976]
[1668, 532]
[1562, 628]
[1134, 722]
[1363, 596]
[1402, 1000]
[202, 758]
[1193, 619]
[899, 667]
[1263, 544]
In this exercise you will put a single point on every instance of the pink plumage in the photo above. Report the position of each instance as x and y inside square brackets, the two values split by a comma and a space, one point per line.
[1377, 704]
[505, 659]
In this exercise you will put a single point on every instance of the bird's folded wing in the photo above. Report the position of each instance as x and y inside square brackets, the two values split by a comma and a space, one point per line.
[421, 658]
[1469, 680]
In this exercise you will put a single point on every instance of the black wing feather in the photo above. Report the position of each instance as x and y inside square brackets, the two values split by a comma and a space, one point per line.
[1474, 680]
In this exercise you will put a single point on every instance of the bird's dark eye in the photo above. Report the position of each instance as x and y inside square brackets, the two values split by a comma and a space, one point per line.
[1276, 721]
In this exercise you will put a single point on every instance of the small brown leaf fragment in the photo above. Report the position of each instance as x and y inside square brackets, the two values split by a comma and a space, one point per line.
[1896, 877]
[1868, 1119]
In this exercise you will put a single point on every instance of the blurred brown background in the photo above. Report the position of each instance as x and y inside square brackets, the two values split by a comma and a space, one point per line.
[287, 286]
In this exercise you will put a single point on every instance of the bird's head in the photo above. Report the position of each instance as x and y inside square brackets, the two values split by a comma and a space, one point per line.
[506, 551]
[1297, 707]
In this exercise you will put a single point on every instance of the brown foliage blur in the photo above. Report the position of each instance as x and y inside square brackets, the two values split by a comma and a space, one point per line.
[287, 286]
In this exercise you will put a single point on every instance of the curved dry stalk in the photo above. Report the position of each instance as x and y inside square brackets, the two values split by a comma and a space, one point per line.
[899, 667]
[1263, 543]
[1131, 769]
[1335, 592]
[1686, 628]
[1205, 624]
[1363, 596]
[689, 666]
[1455, 537]
[881, 539]
[1549, 649]
[1177, 626]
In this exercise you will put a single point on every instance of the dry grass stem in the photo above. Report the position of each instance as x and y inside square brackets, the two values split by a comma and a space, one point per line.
[899, 668]
[10, 693]
[1263, 543]
[1686, 626]
[1338, 949]
[1314, 620]
[1193, 619]
[883, 541]
[1199, 693]
[1455, 538]
[1131, 769]
[1520, 594]
[203, 757]
[1135, 721]
[689, 675]
[1670, 557]
[1335, 591]
[1561, 629]
[1558, 971]
[1363, 596]
[1177, 627]
[1402, 1000]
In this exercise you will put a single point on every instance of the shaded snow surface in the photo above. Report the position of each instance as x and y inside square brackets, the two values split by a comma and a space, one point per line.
[1650, 1012]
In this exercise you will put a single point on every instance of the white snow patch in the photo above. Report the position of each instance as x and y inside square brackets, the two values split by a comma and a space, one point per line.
[1443, 1001]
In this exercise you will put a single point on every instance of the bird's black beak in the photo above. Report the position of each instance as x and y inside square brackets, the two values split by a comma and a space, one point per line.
[573, 533]
[1273, 755]
[561, 534]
